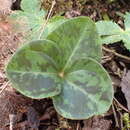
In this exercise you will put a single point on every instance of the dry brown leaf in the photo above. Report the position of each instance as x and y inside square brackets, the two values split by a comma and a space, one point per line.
[125, 86]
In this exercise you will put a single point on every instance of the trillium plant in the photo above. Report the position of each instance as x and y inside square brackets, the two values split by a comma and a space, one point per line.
[64, 65]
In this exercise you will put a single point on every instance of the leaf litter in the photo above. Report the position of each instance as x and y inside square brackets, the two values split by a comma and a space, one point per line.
[125, 86]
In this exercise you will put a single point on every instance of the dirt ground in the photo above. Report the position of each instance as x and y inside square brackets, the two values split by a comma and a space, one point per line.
[18, 112]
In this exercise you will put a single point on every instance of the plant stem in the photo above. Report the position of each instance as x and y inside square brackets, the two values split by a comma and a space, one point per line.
[48, 16]
[121, 106]
[115, 115]
[115, 53]
[4, 87]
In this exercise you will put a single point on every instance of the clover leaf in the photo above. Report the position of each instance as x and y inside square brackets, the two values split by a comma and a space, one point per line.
[65, 66]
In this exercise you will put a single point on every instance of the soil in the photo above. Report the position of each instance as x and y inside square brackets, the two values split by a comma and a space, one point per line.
[18, 112]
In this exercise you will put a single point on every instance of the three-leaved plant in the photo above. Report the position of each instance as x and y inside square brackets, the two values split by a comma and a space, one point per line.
[64, 65]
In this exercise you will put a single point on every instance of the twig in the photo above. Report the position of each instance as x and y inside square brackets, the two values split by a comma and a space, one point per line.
[121, 121]
[121, 106]
[12, 120]
[4, 87]
[115, 115]
[48, 16]
[115, 53]
[78, 125]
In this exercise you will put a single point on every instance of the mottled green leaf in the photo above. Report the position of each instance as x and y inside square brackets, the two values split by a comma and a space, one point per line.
[32, 69]
[61, 67]
[76, 38]
[87, 91]
[53, 24]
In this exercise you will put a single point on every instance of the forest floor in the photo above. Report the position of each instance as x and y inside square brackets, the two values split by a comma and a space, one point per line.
[22, 113]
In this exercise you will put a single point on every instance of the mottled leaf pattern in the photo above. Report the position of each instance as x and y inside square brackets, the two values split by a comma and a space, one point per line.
[64, 66]
[86, 91]
[32, 70]
[53, 24]
[76, 38]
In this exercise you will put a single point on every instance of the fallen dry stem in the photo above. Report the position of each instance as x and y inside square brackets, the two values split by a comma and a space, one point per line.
[3, 87]
[121, 106]
[115, 53]
[48, 16]
[115, 116]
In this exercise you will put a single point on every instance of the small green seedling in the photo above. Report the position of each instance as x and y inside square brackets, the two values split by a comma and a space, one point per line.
[111, 32]
[126, 119]
[64, 65]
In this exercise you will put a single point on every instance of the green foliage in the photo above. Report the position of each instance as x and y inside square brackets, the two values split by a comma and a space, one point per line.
[64, 66]
[30, 19]
[111, 32]
[126, 119]
[31, 6]
[53, 23]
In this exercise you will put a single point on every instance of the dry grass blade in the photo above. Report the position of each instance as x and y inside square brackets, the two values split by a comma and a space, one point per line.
[121, 106]
[4, 86]
[48, 16]
[115, 116]
[12, 119]
[116, 54]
